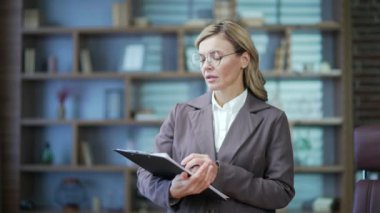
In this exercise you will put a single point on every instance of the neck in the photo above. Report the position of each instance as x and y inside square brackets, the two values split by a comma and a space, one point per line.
[223, 97]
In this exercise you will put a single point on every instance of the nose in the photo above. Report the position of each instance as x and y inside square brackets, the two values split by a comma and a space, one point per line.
[207, 65]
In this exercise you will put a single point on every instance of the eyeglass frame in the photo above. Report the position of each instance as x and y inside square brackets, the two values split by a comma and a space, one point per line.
[211, 60]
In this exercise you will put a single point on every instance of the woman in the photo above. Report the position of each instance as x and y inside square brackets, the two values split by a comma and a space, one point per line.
[229, 137]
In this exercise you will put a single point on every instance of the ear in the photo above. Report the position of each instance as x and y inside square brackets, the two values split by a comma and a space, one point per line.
[244, 60]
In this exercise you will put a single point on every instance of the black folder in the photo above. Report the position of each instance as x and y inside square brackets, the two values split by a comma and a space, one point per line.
[161, 165]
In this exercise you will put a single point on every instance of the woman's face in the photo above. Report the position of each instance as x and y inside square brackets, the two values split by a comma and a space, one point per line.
[226, 76]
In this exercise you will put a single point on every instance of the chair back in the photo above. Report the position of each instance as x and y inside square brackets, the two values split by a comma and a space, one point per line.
[367, 158]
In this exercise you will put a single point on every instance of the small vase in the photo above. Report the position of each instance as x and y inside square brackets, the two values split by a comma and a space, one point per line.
[47, 154]
[61, 111]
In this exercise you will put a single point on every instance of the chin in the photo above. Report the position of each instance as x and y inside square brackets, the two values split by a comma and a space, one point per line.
[213, 87]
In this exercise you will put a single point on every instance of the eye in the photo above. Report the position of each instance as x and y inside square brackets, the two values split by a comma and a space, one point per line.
[216, 55]
[201, 58]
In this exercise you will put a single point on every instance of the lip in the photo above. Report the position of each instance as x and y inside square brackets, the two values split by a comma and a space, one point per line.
[211, 78]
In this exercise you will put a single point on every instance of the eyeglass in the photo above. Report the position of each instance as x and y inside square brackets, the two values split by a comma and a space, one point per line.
[212, 58]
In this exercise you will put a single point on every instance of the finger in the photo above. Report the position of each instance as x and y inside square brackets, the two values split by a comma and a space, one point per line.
[184, 176]
[192, 156]
[200, 174]
[194, 169]
[211, 174]
[194, 162]
[200, 180]
[187, 159]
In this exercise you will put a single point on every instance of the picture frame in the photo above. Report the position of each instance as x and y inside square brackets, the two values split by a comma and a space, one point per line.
[133, 58]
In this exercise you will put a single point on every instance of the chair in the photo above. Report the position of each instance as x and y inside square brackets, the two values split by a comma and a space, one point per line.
[367, 157]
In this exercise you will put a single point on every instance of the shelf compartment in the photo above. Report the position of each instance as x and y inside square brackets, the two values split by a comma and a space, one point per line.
[35, 138]
[98, 142]
[86, 99]
[71, 13]
[42, 189]
[316, 146]
[323, 185]
[50, 53]
[153, 100]
[305, 99]
[130, 52]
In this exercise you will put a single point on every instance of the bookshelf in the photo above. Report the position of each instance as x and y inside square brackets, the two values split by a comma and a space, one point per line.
[163, 80]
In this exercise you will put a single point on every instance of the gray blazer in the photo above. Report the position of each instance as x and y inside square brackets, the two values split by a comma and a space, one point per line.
[255, 159]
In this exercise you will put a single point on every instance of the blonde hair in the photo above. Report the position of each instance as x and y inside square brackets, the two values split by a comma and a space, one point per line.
[242, 42]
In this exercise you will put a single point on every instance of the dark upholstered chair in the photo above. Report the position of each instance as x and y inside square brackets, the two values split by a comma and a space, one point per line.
[367, 157]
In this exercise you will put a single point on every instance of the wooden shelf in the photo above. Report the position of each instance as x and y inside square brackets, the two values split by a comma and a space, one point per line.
[56, 168]
[317, 122]
[44, 122]
[324, 26]
[47, 122]
[319, 169]
[119, 122]
[168, 75]
[336, 73]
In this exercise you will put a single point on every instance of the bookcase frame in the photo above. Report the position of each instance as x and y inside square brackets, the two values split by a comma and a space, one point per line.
[342, 171]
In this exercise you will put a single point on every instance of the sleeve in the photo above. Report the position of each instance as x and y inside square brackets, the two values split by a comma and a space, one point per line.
[275, 189]
[153, 187]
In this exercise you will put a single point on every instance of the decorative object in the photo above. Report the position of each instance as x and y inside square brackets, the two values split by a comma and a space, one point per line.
[222, 10]
[29, 60]
[96, 204]
[145, 115]
[120, 16]
[325, 67]
[85, 61]
[27, 205]
[191, 67]
[141, 22]
[52, 64]
[47, 155]
[114, 103]
[279, 59]
[31, 18]
[62, 96]
[71, 194]
[87, 159]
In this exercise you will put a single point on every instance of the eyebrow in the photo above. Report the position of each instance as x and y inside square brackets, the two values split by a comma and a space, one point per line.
[210, 51]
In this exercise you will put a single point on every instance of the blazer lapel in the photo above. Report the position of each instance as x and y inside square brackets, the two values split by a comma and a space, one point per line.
[242, 128]
[201, 120]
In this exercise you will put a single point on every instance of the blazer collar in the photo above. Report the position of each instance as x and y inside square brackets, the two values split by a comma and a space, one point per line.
[243, 126]
[252, 104]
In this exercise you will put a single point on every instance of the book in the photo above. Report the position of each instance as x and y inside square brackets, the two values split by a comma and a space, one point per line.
[162, 165]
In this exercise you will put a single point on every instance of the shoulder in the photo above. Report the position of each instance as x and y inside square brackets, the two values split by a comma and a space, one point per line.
[197, 103]
[260, 107]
